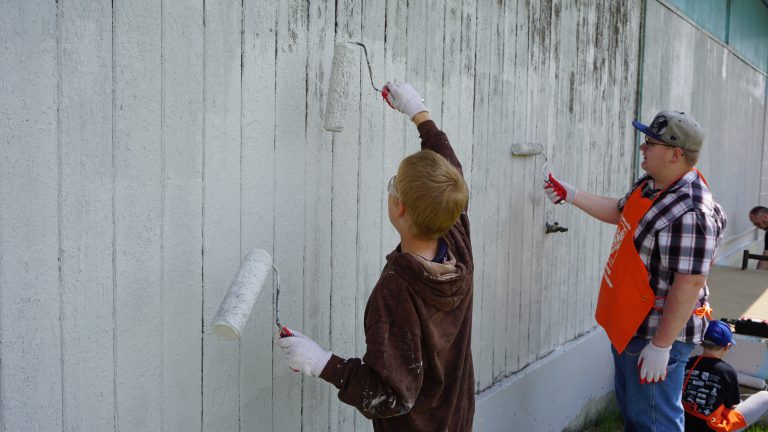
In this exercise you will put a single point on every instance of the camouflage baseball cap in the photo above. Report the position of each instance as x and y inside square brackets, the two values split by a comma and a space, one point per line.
[677, 129]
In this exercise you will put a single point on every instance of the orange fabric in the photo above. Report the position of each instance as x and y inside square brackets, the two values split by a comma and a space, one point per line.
[722, 419]
[704, 311]
[625, 295]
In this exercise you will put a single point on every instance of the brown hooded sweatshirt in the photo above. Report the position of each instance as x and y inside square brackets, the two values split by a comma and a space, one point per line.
[417, 374]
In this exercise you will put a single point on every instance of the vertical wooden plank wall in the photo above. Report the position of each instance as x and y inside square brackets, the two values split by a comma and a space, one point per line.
[221, 206]
[169, 140]
[317, 396]
[30, 280]
[182, 194]
[138, 211]
[86, 231]
[257, 194]
[344, 214]
[290, 179]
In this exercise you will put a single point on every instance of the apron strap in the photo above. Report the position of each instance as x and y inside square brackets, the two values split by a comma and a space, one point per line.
[701, 311]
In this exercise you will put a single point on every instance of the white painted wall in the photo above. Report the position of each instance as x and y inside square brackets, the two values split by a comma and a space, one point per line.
[551, 394]
[146, 145]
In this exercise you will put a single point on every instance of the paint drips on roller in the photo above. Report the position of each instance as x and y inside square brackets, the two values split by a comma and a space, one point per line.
[243, 292]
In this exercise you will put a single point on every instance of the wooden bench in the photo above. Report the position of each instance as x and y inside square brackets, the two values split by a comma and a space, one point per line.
[748, 256]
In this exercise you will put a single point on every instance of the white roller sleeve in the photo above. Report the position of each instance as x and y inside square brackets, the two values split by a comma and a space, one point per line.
[234, 309]
[344, 60]
[527, 149]
[751, 382]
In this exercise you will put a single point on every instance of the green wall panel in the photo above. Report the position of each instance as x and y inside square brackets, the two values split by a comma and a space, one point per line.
[709, 14]
[749, 31]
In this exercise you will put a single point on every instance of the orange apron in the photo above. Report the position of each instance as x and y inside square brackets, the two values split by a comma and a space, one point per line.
[626, 297]
[722, 419]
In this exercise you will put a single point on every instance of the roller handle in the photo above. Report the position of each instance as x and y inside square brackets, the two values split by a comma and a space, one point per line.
[384, 94]
[284, 333]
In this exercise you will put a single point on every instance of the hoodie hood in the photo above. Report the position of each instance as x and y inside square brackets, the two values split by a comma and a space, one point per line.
[439, 285]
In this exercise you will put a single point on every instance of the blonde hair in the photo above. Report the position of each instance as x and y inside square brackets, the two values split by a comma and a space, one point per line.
[433, 191]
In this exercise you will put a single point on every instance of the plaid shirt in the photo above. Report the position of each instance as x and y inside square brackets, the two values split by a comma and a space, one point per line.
[679, 234]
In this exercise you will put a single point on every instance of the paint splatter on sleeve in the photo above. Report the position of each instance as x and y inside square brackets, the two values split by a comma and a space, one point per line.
[387, 380]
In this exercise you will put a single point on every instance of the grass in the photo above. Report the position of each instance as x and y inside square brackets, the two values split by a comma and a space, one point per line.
[611, 421]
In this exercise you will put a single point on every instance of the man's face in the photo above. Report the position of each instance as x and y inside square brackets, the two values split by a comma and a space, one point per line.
[655, 154]
[760, 221]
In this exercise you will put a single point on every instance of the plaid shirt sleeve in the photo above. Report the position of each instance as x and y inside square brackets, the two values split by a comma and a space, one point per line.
[687, 245]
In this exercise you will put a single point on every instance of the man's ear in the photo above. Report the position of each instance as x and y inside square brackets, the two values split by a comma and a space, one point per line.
[677, 154]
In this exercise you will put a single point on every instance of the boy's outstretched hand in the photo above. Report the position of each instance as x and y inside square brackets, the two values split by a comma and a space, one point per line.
[403, 97]
[303, 354]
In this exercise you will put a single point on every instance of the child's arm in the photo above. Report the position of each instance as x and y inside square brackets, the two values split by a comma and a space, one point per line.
[388, 379]
[386, 382]
[432, 138]
[404, 98]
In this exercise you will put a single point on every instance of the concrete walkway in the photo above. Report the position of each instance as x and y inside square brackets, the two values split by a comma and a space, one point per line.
[735, 292]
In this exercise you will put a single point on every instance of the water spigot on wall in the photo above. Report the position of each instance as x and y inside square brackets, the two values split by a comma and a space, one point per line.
[555, 228]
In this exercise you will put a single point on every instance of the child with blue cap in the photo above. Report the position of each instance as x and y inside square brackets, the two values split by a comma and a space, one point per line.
[711, 388]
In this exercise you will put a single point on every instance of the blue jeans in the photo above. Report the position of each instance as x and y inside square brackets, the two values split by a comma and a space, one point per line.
[650, 407]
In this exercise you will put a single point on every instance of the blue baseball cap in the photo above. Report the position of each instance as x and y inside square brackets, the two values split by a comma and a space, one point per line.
[718, 333]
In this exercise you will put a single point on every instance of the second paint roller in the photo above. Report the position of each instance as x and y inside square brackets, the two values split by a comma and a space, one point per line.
[344, 63]
[243, 293]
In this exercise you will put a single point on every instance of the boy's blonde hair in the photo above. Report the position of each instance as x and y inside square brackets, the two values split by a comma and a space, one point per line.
[433, 191]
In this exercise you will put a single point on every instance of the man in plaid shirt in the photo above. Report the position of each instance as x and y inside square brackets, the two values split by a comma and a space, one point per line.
[669, 228]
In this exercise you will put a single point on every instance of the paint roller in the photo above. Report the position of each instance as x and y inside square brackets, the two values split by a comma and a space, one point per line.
[243, 293]
[338, 86]
[527, 149]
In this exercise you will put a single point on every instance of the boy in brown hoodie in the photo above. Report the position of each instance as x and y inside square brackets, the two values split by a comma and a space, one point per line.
[416, 374]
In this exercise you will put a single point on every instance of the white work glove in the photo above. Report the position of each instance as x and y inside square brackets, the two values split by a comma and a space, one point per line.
[653, 363]
[559, 191]
[403, 98]
[303, 354]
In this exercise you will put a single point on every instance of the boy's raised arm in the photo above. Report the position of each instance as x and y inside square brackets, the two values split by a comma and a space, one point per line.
[404, 98]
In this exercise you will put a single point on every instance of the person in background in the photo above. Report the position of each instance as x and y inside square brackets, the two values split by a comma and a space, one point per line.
[711, 389]
[416, 373]
[759, 218]
[653, 295]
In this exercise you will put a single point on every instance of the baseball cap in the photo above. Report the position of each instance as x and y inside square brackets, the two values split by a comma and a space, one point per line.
[674, 128]
[718, 333]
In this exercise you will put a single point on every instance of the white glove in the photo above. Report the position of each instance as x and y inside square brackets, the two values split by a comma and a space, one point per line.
[303, 354]
[653, 363]
[559, 191]
[403, 98]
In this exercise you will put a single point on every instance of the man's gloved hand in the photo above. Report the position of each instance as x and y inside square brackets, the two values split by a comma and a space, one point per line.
[558, 191]
[303, 354]
[404, 98]
[653, 363]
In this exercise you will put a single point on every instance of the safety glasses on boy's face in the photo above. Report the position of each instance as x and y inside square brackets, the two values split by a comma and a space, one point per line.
[391, 187]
